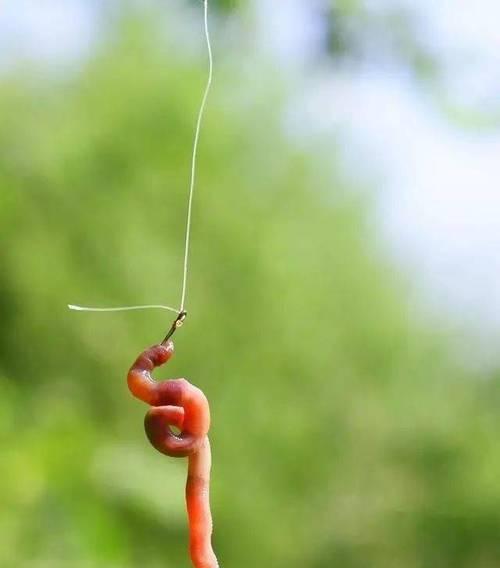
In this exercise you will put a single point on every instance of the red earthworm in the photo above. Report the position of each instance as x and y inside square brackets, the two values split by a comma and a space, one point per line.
[180, 404]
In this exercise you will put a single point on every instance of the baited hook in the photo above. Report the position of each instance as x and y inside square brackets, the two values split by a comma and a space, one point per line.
[179, 320]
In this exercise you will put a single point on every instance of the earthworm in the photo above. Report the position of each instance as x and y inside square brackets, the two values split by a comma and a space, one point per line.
[180, 404]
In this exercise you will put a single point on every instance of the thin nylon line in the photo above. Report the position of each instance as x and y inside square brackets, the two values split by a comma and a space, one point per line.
[195, 155]
[122, 308]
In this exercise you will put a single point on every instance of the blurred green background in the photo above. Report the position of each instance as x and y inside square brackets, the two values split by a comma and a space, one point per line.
[345, 431]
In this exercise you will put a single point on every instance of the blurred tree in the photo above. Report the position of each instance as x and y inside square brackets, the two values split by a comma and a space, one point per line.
[342, 432]
[396, 35]
[386, 32]
[360, 31]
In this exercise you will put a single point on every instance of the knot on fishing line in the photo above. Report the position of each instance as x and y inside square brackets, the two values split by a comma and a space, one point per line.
[179, 320]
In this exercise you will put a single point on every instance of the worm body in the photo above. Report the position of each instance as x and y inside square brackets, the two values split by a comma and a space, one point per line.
[180, 404]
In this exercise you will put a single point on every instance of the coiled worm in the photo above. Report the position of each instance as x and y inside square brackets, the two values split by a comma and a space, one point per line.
[177, 403]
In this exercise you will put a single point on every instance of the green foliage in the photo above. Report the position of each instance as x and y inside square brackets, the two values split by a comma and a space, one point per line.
[342, 434]
[363, 31]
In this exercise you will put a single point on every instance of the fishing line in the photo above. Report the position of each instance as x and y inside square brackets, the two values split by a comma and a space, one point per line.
[192, 182]
[201, 112]
[122, 308]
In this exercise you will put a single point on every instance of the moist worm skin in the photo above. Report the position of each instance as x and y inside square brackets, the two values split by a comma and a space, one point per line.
[179, 403]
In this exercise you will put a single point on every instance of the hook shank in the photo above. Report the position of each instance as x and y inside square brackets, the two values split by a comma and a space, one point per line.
[179, 320]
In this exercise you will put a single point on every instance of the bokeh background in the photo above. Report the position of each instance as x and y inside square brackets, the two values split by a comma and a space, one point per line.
[343, 298]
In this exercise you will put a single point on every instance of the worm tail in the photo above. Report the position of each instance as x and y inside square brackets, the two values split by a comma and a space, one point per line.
[198, 507]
